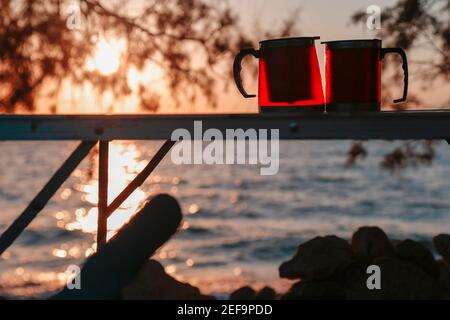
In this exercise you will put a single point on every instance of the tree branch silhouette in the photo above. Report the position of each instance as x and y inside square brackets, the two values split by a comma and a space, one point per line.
[192, 41]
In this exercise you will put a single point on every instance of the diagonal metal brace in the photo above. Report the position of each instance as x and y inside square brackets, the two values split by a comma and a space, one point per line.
[140, 178]
[39, 202]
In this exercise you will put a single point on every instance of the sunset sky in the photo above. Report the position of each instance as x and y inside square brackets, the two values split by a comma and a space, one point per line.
[328, 19]
[331, 21]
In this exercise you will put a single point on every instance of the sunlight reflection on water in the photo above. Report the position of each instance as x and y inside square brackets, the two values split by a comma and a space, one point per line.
[124, 164]
[238, 226]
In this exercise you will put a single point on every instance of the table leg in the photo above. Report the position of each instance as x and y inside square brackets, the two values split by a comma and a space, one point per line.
[102, 226]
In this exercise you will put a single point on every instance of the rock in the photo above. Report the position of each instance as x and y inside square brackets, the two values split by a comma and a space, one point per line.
[441, 263]
[313, 290]
[399, 280]
[247, 293]
[153, 283]
[442, 245]
[416, 253]
[354, 282]
[369, 243]
[354, 272]
[319, 258]
[266, 293]
[244, 293]
[444, 279]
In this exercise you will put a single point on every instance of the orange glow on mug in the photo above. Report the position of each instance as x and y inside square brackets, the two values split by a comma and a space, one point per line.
[289, 75]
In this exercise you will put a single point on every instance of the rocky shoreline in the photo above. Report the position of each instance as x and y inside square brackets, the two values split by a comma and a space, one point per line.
[325, 267]
[330, 268]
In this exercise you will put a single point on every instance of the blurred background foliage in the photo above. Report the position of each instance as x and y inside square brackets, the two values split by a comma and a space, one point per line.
[193, 42]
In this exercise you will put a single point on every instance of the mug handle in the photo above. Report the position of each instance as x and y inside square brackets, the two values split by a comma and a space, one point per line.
[237, 69]
[402, 53]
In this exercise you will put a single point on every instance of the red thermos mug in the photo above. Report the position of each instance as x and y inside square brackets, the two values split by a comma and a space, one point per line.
[353, 75]
[289, 75]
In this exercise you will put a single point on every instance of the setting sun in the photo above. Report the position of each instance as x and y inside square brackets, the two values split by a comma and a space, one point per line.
[107, 55]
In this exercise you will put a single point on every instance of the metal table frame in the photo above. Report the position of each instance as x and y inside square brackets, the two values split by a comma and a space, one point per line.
[93, 129]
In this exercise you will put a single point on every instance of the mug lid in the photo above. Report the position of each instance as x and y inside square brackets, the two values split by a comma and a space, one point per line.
[358, 43]
[288, 42]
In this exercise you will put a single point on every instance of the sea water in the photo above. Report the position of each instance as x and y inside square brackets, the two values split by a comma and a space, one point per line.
[238, 226]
